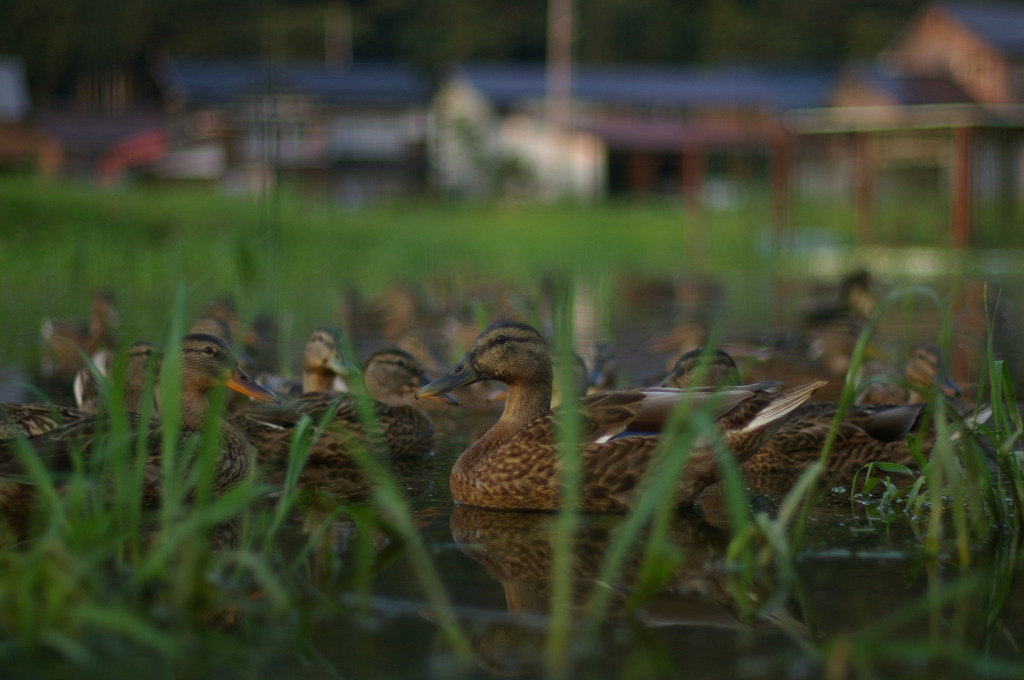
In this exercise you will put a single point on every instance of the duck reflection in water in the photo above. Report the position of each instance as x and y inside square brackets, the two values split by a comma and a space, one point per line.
[516, 549]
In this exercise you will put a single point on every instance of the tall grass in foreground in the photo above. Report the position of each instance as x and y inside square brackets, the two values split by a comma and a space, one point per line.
[200, 584]
[967, 493]
[92, 579]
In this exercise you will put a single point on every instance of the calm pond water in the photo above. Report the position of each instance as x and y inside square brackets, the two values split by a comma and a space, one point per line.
[864, 601]
[863, 592]
[860, 581]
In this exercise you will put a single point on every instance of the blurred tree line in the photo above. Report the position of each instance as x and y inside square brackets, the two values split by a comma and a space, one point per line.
[61, 39]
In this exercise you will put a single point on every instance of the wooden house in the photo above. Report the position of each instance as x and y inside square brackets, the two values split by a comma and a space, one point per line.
[633, 131]
[355, 132]
[938, 116]
[22, 143]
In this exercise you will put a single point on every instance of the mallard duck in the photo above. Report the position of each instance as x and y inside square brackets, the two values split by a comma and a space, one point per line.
[515, 464]
[866, 434]
[828, 358]
[856, 300]
[35, 419]
[923, 373]
[703, 368]
[66, 341]
[137, 359]
[323, 368]
[391, 376]
[206, 363]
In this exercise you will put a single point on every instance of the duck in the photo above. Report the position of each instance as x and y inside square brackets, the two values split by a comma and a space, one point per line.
[703, 368]
[827, 358]
[923, 373]
[35, 419]
[515, 464]
[137, 357]
[66, 341]
[856, 301]
[867, 432]
[206, 364]
[323, 367]
[391, 377]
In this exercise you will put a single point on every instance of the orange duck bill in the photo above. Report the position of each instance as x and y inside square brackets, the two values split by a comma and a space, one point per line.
[239, 381]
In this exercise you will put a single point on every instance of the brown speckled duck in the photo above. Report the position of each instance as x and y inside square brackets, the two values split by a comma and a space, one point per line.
[923, 373]
[323, 368]
[65, 341]
[515, 464]
[35, 419]
[206, 363]
[391, 376]
[866, 433]
[137, 357]
[703, 368]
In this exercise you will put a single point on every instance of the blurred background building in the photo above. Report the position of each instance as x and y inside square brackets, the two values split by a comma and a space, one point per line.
[937, 110]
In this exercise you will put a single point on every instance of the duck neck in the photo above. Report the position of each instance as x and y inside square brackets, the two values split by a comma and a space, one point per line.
[393, 400]
[317, 381]
[194, 408]
[526, 401]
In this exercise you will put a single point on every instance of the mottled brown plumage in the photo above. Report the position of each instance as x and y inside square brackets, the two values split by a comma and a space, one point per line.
[66, 341]
[137, 359]
[206, 363]
[392, 377]
[866, 434]
[516, 464]
[923, 373]
[35, 419]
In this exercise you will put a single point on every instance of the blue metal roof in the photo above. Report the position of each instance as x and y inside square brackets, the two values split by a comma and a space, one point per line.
[15, 104]
[1001, 25]
[683, 87]
[220, 81]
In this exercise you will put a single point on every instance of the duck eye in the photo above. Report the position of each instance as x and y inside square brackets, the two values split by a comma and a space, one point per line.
[501, 340]
[208, 351]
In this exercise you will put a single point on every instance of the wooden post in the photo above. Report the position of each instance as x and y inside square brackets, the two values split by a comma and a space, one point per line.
[782, 157]
[642, 173]
[960, 219]
[864, 186]
[693, 168]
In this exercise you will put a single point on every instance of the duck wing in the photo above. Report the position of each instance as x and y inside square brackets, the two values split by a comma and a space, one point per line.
[646, 411]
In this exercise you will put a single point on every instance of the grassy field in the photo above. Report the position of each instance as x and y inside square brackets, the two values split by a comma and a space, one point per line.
[301, 257]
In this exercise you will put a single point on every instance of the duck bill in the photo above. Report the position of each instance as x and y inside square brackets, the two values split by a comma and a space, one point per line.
[948, 387]
[462, 374]
[442, 398]
[239, 381]
[338, 366]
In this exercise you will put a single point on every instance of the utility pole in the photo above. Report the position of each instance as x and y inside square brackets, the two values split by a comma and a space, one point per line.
[558, 102]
